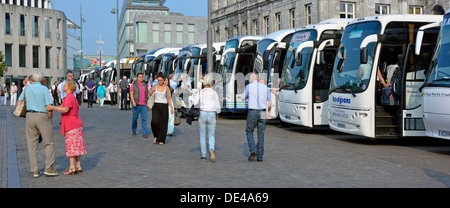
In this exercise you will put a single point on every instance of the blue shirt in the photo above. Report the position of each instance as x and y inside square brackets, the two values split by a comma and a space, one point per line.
[91, 84]
[258, 95]
[37, 97]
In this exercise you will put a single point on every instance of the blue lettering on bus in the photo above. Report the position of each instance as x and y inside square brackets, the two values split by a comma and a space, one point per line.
[341, 100]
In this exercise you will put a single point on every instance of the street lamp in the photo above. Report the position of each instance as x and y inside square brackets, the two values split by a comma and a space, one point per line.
[81, 37]
[116, 11]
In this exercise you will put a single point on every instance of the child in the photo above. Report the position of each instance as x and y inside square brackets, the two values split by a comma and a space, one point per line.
[71, 128]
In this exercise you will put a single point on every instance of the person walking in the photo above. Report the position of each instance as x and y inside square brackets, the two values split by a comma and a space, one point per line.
[259, 99]
[101, 93]
[55, 94]
[4, 91]
[139, 98]
[209, 114]
[90, 86]
[160, 114]
[171, 123]
[13, 92]
[124, 86]
[112, 89]
[71, 128]
[39, 123]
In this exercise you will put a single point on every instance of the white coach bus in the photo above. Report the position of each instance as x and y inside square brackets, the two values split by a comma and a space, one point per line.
[304, 81]
[236, 65]
[373, 47]
[270, 54]
[436, 90]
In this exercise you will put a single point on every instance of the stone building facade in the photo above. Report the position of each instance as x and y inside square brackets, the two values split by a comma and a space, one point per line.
[261, 17]
[32, 38]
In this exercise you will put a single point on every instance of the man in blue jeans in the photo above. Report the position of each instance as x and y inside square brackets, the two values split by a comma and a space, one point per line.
[259, 99]
[139, 96]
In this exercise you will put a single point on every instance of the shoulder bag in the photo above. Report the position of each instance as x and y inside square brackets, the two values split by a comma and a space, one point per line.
[21, 109]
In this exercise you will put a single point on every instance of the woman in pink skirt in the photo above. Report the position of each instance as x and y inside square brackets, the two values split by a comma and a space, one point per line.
[71, 128]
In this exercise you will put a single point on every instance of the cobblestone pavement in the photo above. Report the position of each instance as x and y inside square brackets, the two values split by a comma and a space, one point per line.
[294, 157]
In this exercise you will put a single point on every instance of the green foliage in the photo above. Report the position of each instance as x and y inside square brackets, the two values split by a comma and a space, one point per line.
[3, 67]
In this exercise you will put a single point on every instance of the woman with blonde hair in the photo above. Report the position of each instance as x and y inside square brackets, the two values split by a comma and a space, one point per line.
[71, 127]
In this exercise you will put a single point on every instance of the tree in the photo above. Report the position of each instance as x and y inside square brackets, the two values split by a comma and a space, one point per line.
[3, 67]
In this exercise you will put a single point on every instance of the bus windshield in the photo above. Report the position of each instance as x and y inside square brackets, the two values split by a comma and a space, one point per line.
[228, 68]
[349, 75]
[294, 76]
[262, 48]
[440, 65]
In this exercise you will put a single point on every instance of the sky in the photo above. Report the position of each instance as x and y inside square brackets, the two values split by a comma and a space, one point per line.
[100, 21]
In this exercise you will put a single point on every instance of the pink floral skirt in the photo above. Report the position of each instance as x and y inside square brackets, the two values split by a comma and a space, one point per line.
[75, 145]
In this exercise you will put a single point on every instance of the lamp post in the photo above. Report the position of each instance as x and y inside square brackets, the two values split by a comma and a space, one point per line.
[81, 37]
[116, 11]
[100, 42]
[209, 57]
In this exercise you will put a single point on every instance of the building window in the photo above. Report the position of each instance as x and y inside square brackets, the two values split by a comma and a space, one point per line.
[191, 34]
[8, 55]
[48, 34]
[255, 27]
[35, 56]
[244, 29]
[142, 32]
[266, 26]
[235, 30]
[35, 26]
[381, 9]
[308, 14]
[58, 34]
[179, 33]
[168, 33]
[155, 32]
[7, 23]
[347, 10]
[415, 9]
[58, 57]
[292, 18]
[47, 57]
[22, 56]
[278, 21]
[22, 25]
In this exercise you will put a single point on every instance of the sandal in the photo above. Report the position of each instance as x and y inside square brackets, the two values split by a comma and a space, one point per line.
[78, 170]
[154, 141]
[72, 171]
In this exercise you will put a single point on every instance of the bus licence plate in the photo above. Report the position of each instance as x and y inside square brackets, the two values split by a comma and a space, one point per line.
[341, 125]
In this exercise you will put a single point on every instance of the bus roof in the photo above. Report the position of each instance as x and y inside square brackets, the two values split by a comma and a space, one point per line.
[384, 19]
[279, 35]
[334, 23]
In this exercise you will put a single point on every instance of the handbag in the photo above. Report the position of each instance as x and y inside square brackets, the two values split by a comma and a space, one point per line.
[21, 109]
[151, 101]
[177, 121]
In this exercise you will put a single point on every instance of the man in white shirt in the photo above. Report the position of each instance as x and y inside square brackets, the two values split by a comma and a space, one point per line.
[112, 89]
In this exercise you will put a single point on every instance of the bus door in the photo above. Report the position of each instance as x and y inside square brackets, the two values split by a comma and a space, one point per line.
[321, 83]
[243, 69]
[414, 77]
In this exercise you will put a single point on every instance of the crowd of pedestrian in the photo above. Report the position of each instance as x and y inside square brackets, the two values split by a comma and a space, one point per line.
[155, 96]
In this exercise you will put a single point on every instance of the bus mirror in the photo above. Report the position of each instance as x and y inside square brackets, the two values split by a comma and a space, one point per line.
[320, 58]
[299, 59]
[364, 56]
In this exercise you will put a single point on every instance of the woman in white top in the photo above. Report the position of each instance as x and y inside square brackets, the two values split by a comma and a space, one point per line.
[160, 110]
[209, 114]
[13, 91]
